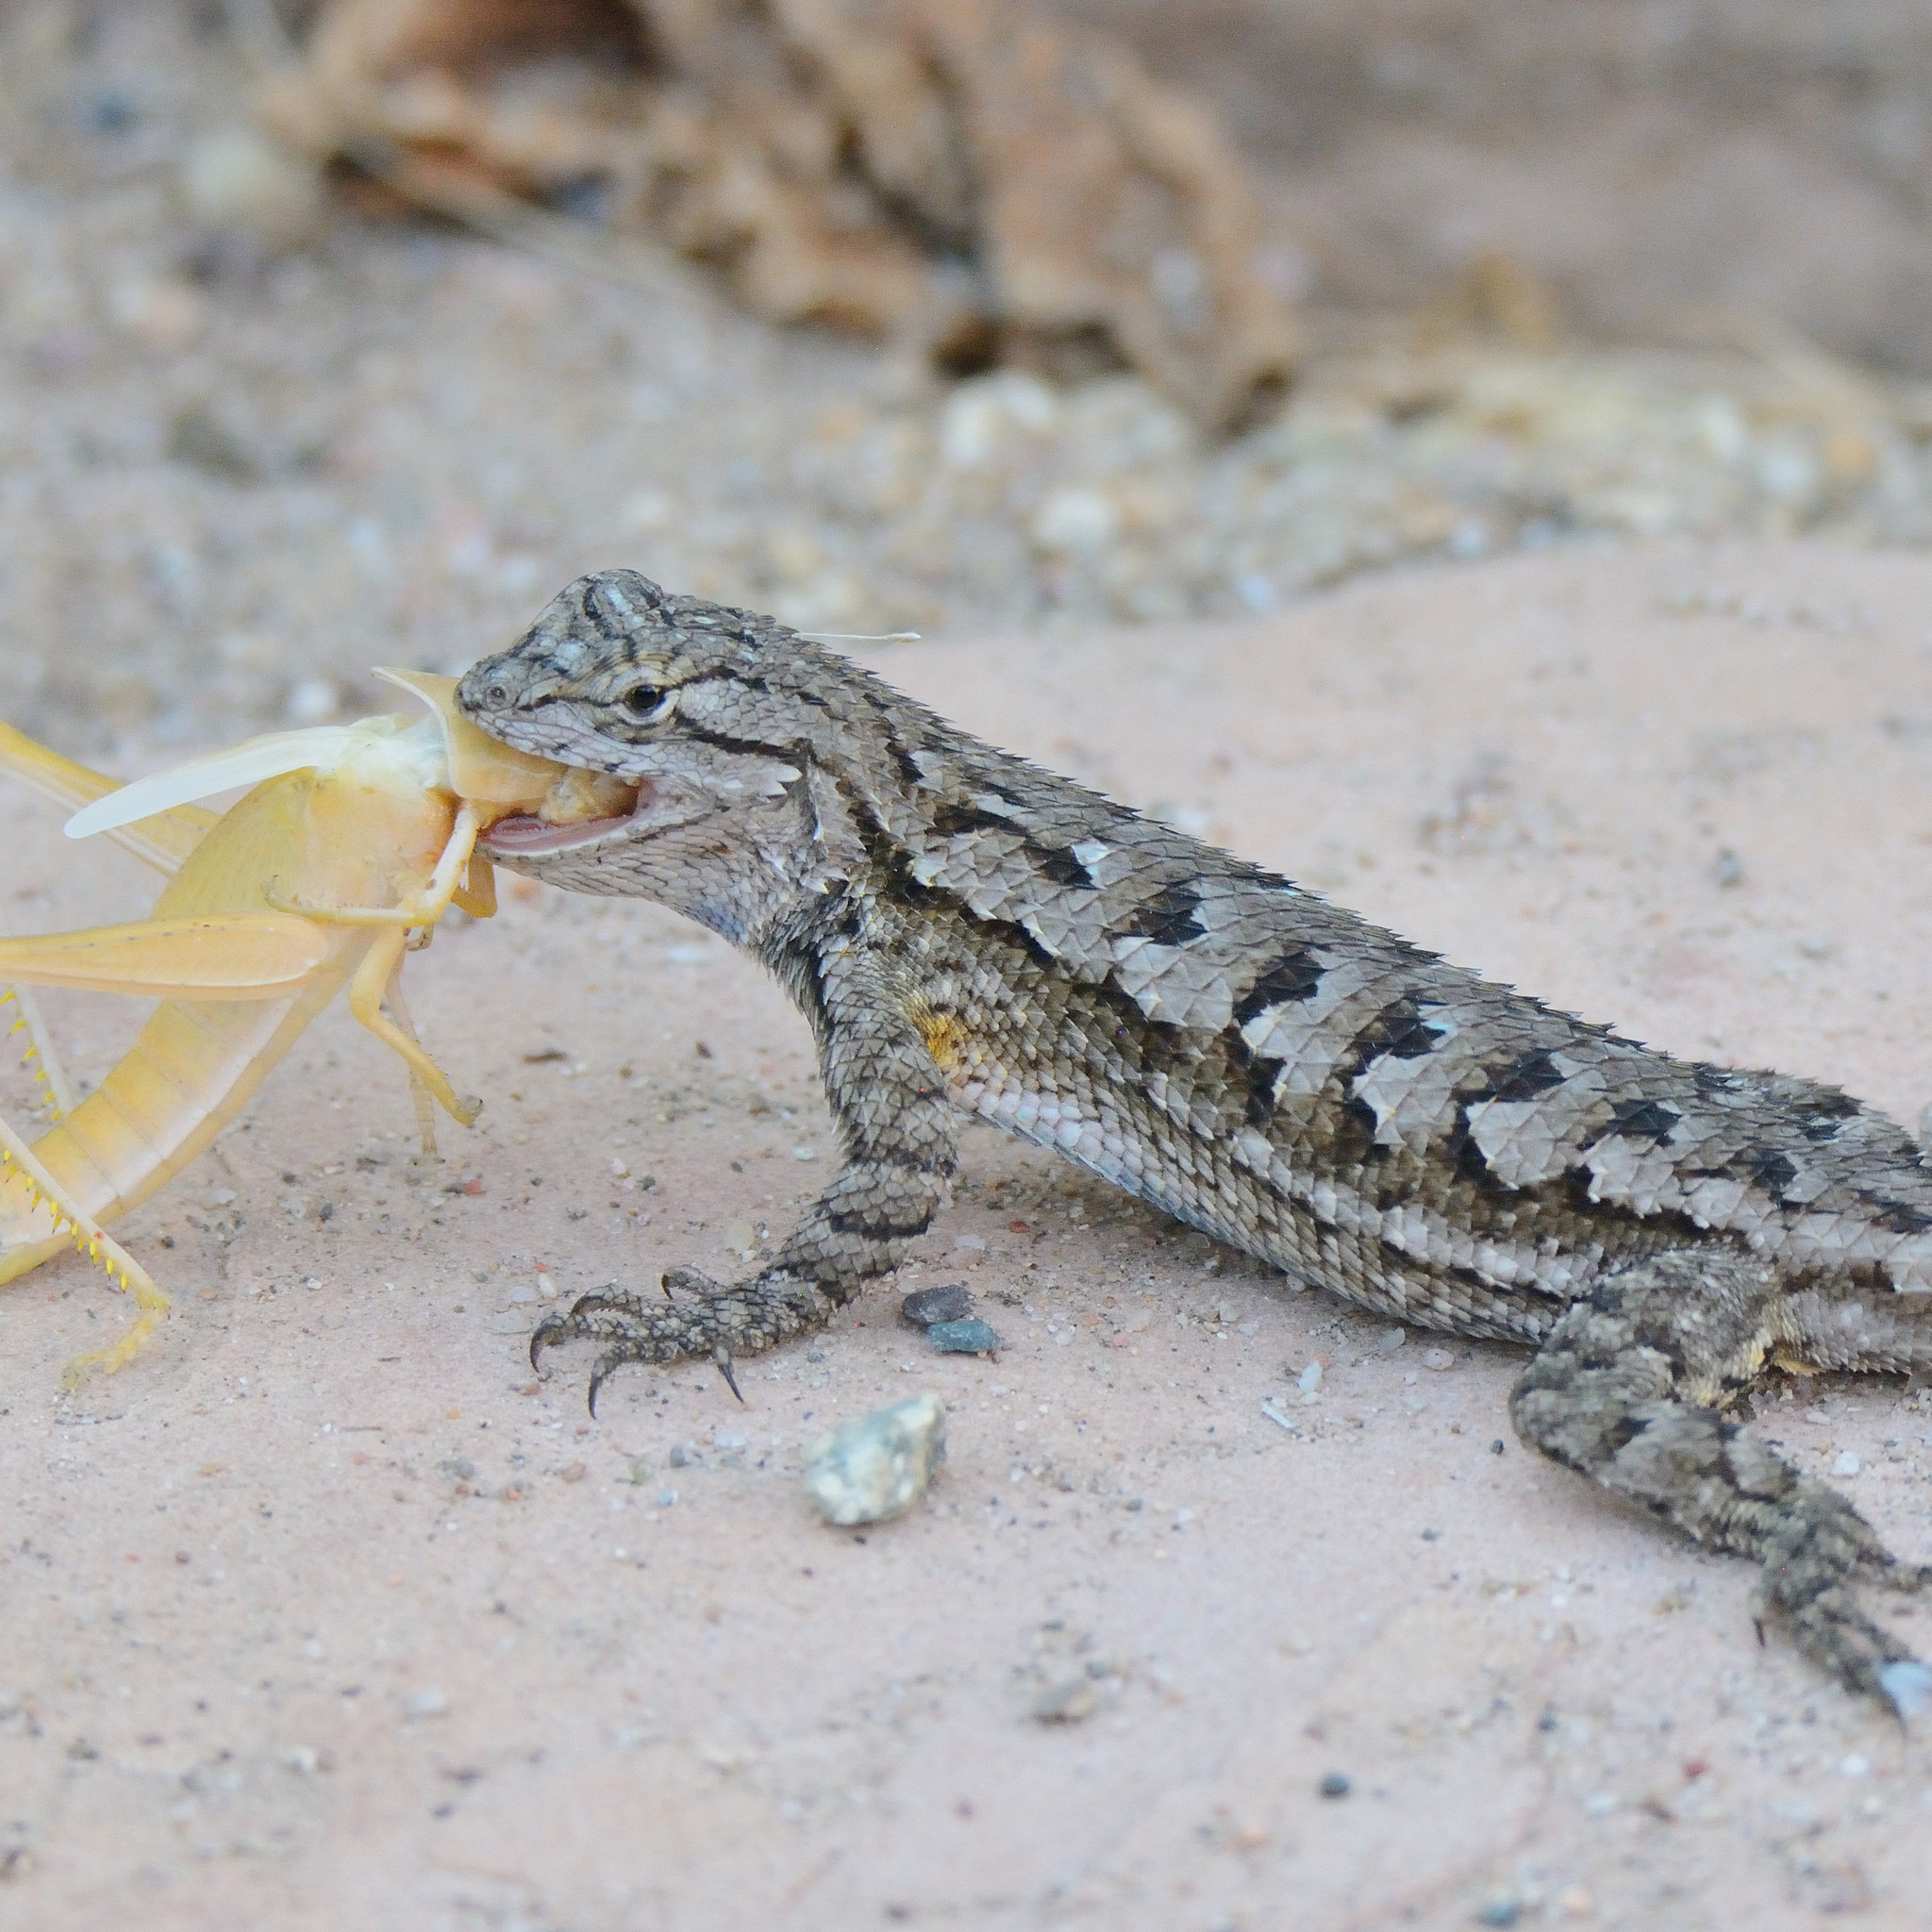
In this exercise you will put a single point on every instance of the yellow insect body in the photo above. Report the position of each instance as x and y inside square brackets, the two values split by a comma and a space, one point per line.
[354, 837]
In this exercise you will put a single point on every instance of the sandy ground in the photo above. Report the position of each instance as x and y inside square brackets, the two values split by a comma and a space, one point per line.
[327, 1614]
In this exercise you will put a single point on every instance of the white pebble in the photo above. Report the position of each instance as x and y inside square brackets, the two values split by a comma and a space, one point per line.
[1438, 1359]
[1076, 521]
[1847, 1464]
[1311, 1378]
[878, 1465]
[240, 181]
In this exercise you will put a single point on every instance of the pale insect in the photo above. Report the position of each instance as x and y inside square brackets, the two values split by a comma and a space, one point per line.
[354, 838]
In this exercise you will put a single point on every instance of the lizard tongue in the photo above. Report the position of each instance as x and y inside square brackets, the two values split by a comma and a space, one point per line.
[524, 833]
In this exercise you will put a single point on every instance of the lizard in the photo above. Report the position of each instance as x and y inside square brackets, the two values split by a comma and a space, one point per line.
[972, 936]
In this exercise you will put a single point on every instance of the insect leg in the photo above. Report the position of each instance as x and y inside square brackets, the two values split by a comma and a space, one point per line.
[366, 990]
[419, 1094]
[94, 1242]
[425, 909]
[49, 1075]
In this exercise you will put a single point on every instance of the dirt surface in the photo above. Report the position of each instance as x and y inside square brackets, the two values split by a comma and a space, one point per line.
[327, 1614]
[236, 470]
[1653, 158]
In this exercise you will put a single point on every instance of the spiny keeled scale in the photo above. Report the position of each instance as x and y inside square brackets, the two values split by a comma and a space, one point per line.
[967, 932]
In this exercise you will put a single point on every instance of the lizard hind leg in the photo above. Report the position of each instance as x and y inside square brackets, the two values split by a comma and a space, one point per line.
[1627, 1390]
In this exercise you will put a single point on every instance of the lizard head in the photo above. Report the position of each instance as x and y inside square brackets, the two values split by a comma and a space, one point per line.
[660, 694]
[712, 752]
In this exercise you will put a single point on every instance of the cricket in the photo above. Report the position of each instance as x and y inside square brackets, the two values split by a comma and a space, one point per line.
[351, 843]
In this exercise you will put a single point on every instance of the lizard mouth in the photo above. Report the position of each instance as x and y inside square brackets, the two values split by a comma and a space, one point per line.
[527, 833]
[523, 833]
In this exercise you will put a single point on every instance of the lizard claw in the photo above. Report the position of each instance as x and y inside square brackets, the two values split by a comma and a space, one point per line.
[600, 1373]
[552, 1329]
[722, 1356]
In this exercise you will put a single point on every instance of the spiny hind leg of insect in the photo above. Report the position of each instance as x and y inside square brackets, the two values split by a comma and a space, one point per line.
[50, 1077]
[94, 1242]
[373, 978]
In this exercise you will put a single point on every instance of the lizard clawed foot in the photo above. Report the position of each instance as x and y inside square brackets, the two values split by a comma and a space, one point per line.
[697, 1318]
[1808, 1572]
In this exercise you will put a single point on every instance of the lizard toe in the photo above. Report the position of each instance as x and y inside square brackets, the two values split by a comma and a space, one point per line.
[547, 1334]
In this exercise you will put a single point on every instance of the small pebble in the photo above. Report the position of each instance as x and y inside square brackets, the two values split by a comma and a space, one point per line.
[1066, 1704]
[878, 1465]
[1438, 1359]
[1389, 1339]
[929, 1305]
[237, 181]
[1847, 1464]
[964, 1338]
[427, 1703]
[1499, 1911]
[1335, 1786]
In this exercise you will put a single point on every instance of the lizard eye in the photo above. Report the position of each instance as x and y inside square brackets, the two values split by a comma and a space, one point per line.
[646, 702]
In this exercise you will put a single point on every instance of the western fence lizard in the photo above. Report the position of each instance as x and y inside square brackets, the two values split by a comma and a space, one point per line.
[972, 936]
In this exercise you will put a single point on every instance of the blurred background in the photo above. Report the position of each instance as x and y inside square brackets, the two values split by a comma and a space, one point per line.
[343, 334]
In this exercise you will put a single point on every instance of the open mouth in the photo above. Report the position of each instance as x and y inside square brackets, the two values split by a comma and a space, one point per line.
[525, 832]
[581, 808]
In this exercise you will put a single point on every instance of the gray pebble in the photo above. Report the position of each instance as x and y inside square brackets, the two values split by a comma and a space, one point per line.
[931, 1304]
[1066, 1703]
[1335, 1786]
[878, 1465]
[964, 1338]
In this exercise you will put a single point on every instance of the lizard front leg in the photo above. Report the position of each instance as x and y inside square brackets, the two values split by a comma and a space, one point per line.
[897, 1138]
[1627, 1390]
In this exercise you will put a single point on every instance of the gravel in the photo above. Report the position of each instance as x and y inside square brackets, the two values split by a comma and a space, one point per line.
[972, 1337]
[926, 1306]
[878, 1465]
[251, 444]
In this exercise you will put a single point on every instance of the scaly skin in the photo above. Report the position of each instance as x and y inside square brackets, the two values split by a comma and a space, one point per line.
[972, 936]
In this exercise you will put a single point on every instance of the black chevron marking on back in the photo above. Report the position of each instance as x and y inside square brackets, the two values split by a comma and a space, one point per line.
[1168, 918]
[1293, 977]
